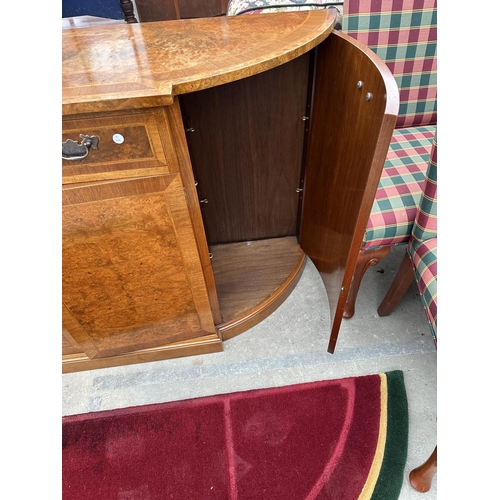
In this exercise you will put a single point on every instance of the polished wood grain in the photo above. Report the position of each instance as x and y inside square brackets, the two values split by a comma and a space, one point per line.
[349, 139]
[421, 477]
[138, 283]
[399, 286]
[69, 344]
[201, 345]
[132, 278]
[164, 151]
[366, 259]
[245, 141]
[146, 149]
[146, 64]
[253, 278]
[75, 334]
[188, 181]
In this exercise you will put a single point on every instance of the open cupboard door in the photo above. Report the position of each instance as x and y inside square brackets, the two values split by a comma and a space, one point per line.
[356, 102]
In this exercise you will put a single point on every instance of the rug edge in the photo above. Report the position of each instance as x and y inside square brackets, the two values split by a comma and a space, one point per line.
[390, 480]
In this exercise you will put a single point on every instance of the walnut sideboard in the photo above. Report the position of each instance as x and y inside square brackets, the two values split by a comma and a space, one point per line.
[203, 159]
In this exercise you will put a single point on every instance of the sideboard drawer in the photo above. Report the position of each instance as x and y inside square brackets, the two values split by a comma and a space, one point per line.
[129, 145]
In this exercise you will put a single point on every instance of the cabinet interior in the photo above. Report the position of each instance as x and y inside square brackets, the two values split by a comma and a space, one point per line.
[247, 142]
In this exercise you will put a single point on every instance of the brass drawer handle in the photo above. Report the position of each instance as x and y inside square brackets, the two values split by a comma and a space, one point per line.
[72, 150]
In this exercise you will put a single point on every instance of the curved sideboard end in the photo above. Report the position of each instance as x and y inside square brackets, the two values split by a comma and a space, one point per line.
[118, 67]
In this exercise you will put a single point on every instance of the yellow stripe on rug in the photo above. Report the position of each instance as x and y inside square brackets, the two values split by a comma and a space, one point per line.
[378, 458]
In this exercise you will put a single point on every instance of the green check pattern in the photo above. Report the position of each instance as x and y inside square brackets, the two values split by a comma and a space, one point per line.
[425, 226]
[423, 255]
[422, 247]
[403, 33]
[400, 188]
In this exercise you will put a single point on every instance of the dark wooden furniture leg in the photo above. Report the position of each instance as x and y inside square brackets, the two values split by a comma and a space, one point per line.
[366, 259]
[403, 279]
[128, 9]
[421, 477]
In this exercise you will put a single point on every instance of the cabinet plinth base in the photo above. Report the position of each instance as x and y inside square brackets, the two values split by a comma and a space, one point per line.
[203, 345]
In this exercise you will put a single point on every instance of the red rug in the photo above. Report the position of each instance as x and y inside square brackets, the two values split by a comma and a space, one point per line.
[336, 439]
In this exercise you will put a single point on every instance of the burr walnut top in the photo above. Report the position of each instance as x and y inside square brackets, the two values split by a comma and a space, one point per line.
[139, 65]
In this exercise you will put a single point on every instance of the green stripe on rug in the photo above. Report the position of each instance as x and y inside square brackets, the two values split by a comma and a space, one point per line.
[391, 476]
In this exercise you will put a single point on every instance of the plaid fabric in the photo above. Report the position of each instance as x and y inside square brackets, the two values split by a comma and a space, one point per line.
[400, 188]
[425, 226]
[403, 33]
[423, 255]
[237, 7]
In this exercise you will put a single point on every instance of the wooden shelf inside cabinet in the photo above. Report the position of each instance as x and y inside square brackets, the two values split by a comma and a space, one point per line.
[253, 278]
[218, 168]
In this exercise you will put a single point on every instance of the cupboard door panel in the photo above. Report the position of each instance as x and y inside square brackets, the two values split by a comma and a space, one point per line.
[132, 277]
[349, 139]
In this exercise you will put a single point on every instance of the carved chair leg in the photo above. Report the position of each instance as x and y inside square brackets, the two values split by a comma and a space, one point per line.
[128, 10]
[421, 477]
[366, 258]
[402, 281]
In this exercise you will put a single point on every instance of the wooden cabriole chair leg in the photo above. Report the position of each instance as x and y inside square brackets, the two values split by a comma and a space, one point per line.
[421, 477]
[366, 258]
[403, 279]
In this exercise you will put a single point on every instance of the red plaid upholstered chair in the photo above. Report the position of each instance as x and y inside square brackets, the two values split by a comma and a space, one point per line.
[420, 259]
[420, 263]
[403, 33]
